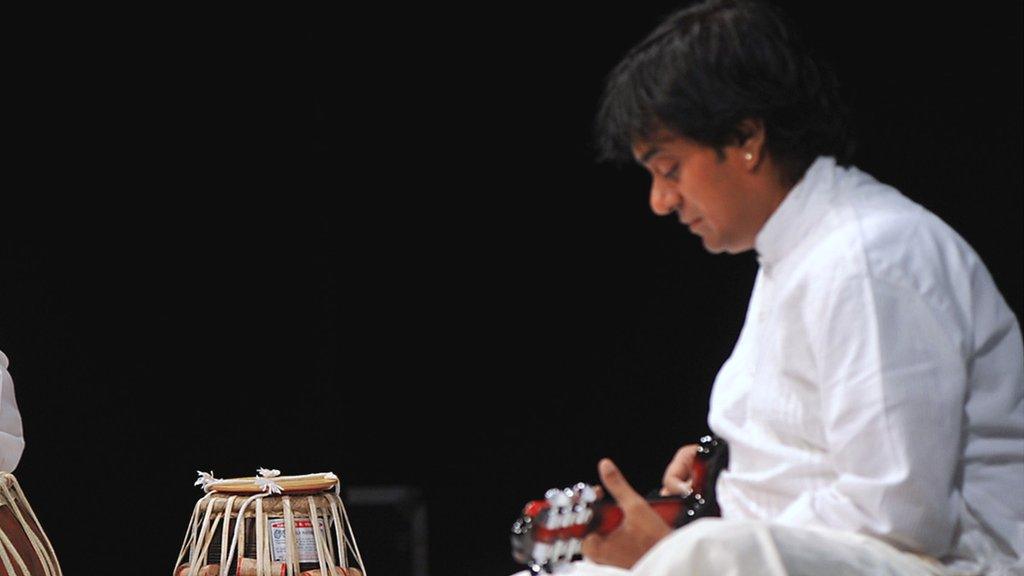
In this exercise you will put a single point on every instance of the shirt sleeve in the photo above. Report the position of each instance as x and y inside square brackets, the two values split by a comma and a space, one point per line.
[12, 441]
[893, 385]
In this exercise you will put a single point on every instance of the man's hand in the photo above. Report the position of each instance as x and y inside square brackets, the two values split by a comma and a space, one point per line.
[641, 526]
[678, 475]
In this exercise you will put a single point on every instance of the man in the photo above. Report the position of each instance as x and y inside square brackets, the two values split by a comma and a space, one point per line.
[874, 402]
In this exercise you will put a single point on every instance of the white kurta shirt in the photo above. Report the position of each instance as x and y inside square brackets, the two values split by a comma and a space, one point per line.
[877, 385]
[12, 441]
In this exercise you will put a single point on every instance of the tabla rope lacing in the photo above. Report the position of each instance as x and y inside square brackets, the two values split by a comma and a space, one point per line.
[194, 552]
[37, 545]
[348, 525]
[204, 480]
[32, 514]
[189, 532]
[291, 558]
[263, 525]
[238, 526]
[355, 547]
[3, 555]
[339, 529]
[204, 552]
[242, 543]
[317, 537]
[226, 529]
[329, 541]
[268, 486]
[17, 557]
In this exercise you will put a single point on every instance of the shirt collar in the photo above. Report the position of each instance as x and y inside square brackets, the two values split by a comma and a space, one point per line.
[799, 211]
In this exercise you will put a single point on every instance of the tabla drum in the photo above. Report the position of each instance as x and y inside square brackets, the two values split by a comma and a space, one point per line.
[24, 548]
[269, 525]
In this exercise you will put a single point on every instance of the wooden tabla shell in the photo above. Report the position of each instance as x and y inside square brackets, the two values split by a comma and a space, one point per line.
[24, 548]
[210, 540]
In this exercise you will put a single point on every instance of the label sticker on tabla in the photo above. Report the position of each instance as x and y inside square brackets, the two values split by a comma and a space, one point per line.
[305, 541]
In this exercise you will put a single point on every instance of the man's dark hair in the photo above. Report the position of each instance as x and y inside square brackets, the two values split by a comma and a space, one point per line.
[707, 67]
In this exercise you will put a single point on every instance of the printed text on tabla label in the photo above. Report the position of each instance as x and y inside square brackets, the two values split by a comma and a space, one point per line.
[305, 541]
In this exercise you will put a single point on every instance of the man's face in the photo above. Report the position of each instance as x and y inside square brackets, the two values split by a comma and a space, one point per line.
[710, 195]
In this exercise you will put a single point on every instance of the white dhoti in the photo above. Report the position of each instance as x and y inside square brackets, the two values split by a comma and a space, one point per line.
[718, 547]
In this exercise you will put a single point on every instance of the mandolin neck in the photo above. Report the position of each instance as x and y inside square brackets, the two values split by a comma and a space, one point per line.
[671, 509]
[608, 516]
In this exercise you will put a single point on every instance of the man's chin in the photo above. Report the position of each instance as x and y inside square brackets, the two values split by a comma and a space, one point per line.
[719, 248]
[713, 247]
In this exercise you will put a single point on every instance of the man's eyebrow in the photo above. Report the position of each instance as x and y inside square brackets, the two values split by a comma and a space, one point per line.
[648, 155]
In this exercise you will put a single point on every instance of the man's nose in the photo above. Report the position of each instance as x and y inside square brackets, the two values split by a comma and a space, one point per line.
[664, 200]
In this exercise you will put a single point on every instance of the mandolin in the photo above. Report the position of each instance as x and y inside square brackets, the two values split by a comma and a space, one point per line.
[548, 533]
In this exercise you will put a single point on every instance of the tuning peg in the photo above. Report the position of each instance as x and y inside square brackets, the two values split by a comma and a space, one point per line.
[571, 495]
[558, 498]
[586, 492]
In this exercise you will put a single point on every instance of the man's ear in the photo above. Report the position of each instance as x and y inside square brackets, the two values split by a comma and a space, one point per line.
[751, 132]
[751, 138]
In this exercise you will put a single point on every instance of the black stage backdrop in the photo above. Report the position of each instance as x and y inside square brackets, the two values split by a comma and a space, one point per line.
[376, 242]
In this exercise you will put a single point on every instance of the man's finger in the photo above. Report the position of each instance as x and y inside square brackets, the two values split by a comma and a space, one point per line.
[676, 488]
[679, 469]
[617, 485]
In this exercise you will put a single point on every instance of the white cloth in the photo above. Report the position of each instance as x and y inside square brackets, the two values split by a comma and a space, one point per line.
[877, 386]
[721, 547]
[12, 440]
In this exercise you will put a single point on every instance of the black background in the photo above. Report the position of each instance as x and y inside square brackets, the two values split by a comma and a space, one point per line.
[376, 242]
